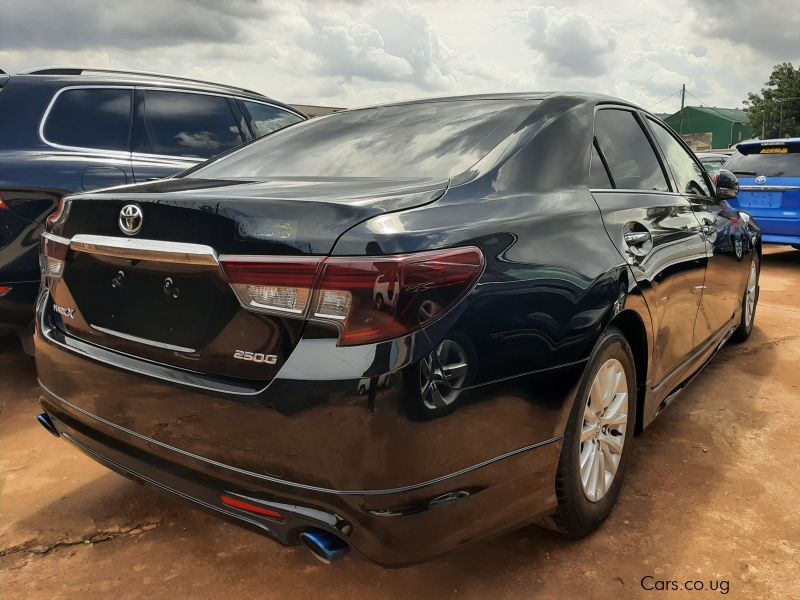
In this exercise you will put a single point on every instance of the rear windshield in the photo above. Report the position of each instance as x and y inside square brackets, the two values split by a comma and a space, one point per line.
[433, 139]
[769, 165]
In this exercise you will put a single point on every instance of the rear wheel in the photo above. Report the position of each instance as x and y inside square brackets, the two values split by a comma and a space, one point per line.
[593, 457]
[749, 302]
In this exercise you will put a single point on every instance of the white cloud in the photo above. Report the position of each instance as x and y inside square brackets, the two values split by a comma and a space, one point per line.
[365, 52]
[569, 42]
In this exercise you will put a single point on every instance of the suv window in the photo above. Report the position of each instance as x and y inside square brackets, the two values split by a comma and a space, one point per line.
[187, 124]
[689, 176]
[91, 118]
[630, 157]
[770, 165]
[265, 118]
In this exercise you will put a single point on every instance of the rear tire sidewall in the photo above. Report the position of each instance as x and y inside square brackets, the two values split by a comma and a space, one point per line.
[577, 514]
[744, 329]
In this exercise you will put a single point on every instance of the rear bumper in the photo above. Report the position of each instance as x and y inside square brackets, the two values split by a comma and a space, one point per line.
[406, 491]
[389, 527]
[779, 230]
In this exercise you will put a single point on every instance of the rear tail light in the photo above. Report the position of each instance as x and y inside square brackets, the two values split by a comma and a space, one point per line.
[4, 289]
[282, 285]
[369, 299]
[54, 254]
[3, 205]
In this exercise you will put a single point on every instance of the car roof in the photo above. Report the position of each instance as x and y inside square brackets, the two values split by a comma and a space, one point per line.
[751, 146]
[101, 76]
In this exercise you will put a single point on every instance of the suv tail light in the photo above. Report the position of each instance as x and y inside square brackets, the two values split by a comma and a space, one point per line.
[369, 299]
[3, 205]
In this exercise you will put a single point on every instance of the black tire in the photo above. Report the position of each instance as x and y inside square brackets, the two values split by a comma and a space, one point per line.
[745, 327]
[577, 514]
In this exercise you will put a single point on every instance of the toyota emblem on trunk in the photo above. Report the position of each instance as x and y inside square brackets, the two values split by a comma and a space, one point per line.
[131, 219]
[761, 180]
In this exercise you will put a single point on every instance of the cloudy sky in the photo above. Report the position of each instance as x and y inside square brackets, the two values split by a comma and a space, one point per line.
[363, 52]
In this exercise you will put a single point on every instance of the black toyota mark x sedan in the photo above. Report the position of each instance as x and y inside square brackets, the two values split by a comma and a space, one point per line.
[399, 328]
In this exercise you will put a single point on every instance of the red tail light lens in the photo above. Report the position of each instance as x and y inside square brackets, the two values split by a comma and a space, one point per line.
[380, 298]
[3, 205]
[369, 299]
[4, 289]
[282, 285]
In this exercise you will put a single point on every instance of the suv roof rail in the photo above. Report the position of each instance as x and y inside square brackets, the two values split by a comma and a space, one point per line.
[83, 70]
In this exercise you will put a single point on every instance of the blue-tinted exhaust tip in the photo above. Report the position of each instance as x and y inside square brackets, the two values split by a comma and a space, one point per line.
[325, 546]
[46, 422]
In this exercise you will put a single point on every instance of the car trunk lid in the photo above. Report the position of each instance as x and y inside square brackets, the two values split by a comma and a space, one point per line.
[161, 294]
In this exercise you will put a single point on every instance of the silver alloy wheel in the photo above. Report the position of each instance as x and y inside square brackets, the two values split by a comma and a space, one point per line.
[750, 298]
[440, 380]
[605, 419]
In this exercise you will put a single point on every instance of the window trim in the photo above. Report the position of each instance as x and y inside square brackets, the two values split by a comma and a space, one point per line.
[637, 115]
[103, 151]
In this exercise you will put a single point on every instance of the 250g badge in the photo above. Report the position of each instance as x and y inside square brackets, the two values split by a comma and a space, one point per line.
[258, 357]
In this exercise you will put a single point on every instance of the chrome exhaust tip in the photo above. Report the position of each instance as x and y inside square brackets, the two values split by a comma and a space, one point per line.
[325, 546]
[46, 422]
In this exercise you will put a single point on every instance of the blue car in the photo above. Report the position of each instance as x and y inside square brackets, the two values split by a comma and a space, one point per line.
[769, 178]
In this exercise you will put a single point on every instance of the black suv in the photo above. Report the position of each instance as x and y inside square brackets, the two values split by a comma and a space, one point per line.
[66, 130]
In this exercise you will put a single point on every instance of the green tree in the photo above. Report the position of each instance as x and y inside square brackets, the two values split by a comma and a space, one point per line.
[776, 111]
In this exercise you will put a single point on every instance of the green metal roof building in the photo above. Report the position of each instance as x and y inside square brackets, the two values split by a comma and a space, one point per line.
[708, 128]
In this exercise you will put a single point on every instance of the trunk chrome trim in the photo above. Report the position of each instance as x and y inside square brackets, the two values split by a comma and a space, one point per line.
[141, 249]
[56, 238]
[141, 340]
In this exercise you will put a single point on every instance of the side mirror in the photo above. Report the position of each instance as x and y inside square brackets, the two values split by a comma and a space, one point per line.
[727, 184]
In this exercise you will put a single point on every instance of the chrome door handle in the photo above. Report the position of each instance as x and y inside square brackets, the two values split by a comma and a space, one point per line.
[636, 238]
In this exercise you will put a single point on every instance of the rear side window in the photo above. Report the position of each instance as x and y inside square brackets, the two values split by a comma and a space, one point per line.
[265, 119]
[90, 118]
[187, 124]
[598, 177]
[630, 157]
[689, 176]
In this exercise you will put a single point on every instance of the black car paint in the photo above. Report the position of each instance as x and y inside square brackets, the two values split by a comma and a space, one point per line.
[34, 175]
[333, 433]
